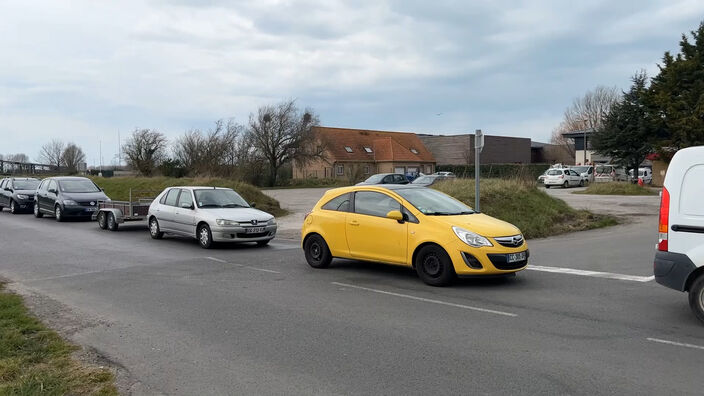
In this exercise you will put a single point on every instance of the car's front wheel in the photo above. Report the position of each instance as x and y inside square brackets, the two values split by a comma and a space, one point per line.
[434, 266]
[263, 243]
[581, 183]
[696, 297]
[205, 237]
[13, 207]
[154, 230]
[546, 186]
[317, 252]
[37, 213]
[58, 213]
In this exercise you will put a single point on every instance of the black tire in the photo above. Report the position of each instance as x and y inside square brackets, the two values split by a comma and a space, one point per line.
[546, 186]
[581, 183]
[112, 222]
[205, 237]
[58, 213]
[317, 252]
[696, 297]
[263, 243]
[37, 212]
[13, 207]
[434, 266]
[565, 185]
[154, 229]
[102, 221]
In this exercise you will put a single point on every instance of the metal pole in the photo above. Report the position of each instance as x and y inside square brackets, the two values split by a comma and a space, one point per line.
[585, 148]
[477, 150]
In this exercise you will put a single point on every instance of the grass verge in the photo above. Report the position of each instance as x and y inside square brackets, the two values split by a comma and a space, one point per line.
[34, 360]
[616, 189]
[118, 188]
[522, 204]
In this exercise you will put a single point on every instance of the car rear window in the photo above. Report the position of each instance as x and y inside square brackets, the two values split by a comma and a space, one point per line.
[171, 197]
[554, 173]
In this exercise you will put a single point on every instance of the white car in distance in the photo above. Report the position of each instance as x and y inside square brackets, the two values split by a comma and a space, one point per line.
[563, 178]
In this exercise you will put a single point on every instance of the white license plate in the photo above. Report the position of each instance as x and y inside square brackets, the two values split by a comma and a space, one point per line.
[91, 209]
[513, 257]
[256, 230]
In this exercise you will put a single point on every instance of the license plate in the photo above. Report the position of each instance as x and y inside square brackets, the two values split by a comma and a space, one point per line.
[91, 209]
[513, 257]
[256, 230]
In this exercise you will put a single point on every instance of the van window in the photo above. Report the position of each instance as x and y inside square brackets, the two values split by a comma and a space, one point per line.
[691, 192]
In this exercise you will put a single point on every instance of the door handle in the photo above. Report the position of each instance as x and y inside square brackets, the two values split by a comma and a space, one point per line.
[354, 223]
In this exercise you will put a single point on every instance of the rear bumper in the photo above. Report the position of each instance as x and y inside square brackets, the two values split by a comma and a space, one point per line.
[672, 269]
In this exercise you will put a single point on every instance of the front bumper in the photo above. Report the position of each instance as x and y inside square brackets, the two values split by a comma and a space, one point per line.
[24, 204]
[240, 234]
[79, 211]
[672, 269]
[486, 260]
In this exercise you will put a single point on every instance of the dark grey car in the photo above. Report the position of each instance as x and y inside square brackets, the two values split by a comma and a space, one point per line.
[17, 194]
[385, 178]
[68, 197]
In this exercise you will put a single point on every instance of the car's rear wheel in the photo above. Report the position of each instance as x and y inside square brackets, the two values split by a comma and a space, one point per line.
[434, 266]
[696, 297]
[37, 213]
[13, 207]
[317, 252]
[112, 222]
[154, 230]
[58, 213]
[205, 237]
[102, 221]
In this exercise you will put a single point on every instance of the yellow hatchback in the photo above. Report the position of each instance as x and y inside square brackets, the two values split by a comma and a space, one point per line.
[418, 227]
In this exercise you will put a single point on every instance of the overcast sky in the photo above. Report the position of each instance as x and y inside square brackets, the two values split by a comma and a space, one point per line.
[83, 70]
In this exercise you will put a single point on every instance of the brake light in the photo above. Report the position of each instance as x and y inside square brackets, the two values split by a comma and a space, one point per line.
[664, 221]
[562, 176]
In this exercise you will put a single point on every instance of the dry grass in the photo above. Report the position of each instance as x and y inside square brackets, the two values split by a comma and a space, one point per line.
[615, 188]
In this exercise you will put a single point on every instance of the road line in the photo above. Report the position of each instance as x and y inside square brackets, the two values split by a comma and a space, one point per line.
[428, 300]
[675, 343]
[594, 274]
[263, 270]
[60, 276]
[242, 266]
[217, 259]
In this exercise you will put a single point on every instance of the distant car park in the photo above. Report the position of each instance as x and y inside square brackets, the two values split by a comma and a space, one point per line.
[609, 173]
[385, 178]
[445, 174]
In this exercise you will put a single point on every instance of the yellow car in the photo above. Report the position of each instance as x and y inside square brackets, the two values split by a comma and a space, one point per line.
[418, 227]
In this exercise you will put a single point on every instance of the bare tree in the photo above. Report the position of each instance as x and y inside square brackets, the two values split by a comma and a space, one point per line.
[208, 153]
[51, 153]
[144, 150]
[19, 157]
[72, 157]
[281, 134]
[585, 113]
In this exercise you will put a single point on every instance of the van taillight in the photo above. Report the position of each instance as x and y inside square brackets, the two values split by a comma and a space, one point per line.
[664, 220]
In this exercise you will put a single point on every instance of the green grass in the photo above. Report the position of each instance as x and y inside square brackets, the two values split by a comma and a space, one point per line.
[34, 360]
[522, 204]
[615, 188]
[118, 188]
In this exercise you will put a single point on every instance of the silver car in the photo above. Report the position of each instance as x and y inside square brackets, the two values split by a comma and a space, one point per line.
[209, 214]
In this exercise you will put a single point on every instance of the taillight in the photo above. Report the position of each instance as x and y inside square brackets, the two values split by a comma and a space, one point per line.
[664, 221]
[562, 176]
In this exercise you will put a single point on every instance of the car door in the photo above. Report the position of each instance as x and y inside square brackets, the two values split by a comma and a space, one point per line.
[184, 213]
[51, 196]
[166, 210]
[3, 185]
[575, 178]
[372, 236]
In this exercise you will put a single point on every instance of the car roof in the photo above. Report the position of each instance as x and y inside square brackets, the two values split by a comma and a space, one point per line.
[68, 178]
[22, 178]
[201, 187]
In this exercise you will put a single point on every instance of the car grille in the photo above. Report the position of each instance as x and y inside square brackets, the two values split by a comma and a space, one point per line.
[499, 261]
[87, 203]
[510, 241]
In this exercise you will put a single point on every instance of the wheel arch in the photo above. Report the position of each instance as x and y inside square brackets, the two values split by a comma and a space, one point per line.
[692, 277]
[199, 224]
[421, 246]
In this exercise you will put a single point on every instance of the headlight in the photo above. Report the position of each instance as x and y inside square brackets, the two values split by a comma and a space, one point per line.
[224, 222]
[470, 238]
[70, 202]
[272, 221]
[22, 196]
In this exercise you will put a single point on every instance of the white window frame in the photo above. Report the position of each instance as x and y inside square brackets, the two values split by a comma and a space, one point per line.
[340, 170]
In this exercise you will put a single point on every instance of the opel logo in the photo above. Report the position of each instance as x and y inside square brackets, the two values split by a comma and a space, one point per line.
[254, 222]
[516, 241]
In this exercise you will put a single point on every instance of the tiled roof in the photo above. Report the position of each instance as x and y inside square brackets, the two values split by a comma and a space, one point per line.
[386, 146]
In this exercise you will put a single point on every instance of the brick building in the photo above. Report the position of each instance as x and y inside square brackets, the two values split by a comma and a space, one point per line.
[459, 149]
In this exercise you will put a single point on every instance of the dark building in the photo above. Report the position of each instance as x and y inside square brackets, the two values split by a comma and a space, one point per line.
[459, 149]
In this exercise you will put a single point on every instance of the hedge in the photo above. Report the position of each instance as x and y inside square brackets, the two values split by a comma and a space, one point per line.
[497, 171]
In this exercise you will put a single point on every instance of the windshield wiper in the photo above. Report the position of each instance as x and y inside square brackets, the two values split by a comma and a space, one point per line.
[447, 213]
[234, 205]
[210, 206]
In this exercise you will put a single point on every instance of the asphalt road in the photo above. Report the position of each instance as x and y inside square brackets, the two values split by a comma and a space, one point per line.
[247, 320]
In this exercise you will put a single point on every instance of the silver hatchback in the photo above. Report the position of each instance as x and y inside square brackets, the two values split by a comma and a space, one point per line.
[209, 214]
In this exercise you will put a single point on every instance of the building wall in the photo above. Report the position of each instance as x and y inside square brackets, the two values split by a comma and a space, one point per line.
[591, 157]
[659, 171]
[459, 149]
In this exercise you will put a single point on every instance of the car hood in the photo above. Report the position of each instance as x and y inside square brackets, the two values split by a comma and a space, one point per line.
[90, 196]
[481, 224]
[238, 214]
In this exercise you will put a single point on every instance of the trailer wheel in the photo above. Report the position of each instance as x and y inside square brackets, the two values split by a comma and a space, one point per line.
[112, 223]
[102, 221]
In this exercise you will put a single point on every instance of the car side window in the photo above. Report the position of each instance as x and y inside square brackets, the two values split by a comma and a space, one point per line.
[172, 196]
[408, 216]
[340, 204]
[185, 199]
[2, 183]
[52, 185]
[399, 179]
[387, 179]
[374, 204]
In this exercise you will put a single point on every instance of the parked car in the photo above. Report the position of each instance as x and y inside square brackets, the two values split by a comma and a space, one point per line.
[67, 196]
[646, 174]
[609, 173]
[412, 226]
[17, 194]
[428, 180]
[385, 178]
[679, 259]
[585, 171]
[209, 214]
[446, 174]
[562, 177]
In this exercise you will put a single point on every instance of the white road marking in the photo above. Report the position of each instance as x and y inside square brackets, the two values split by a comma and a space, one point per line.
[243, 266]
[595, 274]
[61, 276]
[428, 300]
[675, 343]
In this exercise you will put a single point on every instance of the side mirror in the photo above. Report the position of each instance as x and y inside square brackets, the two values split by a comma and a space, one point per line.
[253, 204]
[187, 206]
[51, 190]
[395, 215]
[8, 189]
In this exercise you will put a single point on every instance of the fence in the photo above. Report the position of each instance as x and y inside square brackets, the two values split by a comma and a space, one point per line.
[24, 168]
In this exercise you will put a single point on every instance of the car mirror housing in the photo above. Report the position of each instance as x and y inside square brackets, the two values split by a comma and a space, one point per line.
[395, 215]
[253, 204]
[187, 206]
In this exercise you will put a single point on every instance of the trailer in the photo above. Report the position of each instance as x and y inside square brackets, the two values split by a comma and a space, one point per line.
[111, 214]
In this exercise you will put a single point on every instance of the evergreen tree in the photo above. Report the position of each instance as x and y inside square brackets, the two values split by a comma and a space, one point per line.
[627, 132]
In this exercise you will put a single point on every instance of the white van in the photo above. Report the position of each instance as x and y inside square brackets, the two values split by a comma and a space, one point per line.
[679, 260]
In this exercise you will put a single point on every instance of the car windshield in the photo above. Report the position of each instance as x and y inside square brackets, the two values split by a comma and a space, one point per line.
[433, 203]
[78, 186]
[26, 184]
[580, 169]
[219, 198]
[424, 180]
[374, 179]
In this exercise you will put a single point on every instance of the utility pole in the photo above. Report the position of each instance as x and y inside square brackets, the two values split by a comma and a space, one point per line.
[478, 146]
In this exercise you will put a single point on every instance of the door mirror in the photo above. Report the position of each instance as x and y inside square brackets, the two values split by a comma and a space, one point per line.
[395, 215]
[253, 204]
[53, 191]
[8, 189]
[187, 206]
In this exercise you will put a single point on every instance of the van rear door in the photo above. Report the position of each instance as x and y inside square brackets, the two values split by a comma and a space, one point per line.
[685, 183]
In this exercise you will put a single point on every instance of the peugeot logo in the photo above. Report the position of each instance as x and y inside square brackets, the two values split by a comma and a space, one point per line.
[254, 222]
